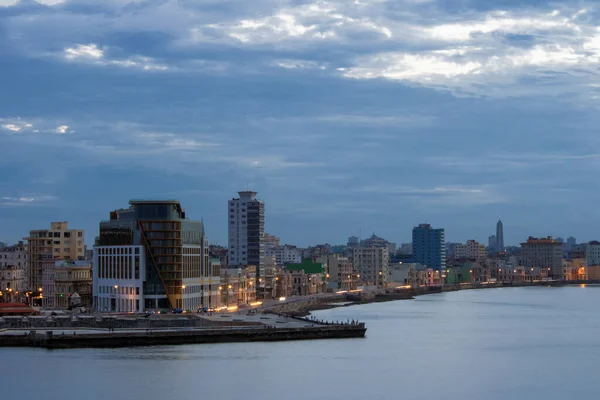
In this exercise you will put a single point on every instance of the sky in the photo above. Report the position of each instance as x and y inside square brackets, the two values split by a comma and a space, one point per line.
[347, 117]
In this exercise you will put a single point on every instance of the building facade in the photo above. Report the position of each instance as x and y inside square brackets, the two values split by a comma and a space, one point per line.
[592, 253]
[429, 246]
[57, 243]
[543, 253]
[151, 256]
[340, 272]
[64, 280]
[246, 231]
[471, 250]
[372, 265]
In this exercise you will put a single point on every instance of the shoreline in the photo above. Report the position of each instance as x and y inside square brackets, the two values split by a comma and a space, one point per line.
[304, 309]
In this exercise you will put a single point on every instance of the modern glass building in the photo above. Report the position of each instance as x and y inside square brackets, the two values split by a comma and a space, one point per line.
[151, 256]
[429, 246]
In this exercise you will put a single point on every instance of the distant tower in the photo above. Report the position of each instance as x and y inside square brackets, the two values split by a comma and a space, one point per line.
[499, 237]
[247, 232]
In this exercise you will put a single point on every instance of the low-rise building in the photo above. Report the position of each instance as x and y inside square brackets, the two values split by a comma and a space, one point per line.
[340, 272]
[575, 270]
[238, 285]
[399, 272]
[65, 279]
[424, 277]
[284, 283]
[309, 277]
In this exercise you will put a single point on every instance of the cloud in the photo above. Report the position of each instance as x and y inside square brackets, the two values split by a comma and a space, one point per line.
[8, 3]
[14, 125]
[9, 201]
[61, 129]
[91, 53]
[318, 21]
[550, 54]
[455, 195]
[299, 64]
[51, 2]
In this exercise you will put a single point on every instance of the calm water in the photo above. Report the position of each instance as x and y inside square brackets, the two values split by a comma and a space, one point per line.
[533, 343]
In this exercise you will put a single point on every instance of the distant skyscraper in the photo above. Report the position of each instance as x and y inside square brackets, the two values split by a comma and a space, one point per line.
[429, 246]
[571, 243]
[492, 242]
[247, 232]
[499, 236]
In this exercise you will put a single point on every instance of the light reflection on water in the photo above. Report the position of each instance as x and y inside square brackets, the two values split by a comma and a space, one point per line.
[511, 343]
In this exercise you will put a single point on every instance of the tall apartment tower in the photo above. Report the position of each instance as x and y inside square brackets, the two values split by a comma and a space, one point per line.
[46, 246]
[151, 256]
[429, 246]
[247, 232]
[499, 237]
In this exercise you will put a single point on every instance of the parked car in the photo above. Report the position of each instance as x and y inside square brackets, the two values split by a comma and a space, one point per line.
[177, 311]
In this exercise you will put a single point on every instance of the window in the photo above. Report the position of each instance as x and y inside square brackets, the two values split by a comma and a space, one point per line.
[79, 234]
[67, 234]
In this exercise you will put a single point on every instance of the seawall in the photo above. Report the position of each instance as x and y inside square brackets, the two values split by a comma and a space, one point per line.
[51, 340]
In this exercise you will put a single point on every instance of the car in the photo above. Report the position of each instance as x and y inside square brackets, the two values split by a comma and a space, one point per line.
[177, 311]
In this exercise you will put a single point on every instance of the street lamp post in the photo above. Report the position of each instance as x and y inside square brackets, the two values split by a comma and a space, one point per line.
[182, 293]
[116, 297]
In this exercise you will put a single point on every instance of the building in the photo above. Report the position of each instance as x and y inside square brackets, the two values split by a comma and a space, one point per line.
[575, 270]
[399, 272]
[238, 285]
[472, 250]
[64, 280]
[287, 254]
[499, 237]
[592, 253]
[13, 267]
[340, 272]
[284, 282]
[353, 242]
[57, 243]
[247, 231]
[571, 244]
[492, 243]
[543, 253]
[271, 243]
[151, 256]
[309, 277]
[15, 256]
[371, 263]
[376, 241]
[267, 283]
[405, 248]
[429, 246]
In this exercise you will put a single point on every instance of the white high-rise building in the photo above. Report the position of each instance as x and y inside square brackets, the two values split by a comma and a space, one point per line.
[247, 232]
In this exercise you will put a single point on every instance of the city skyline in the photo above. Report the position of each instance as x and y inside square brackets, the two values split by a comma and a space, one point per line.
[344, 116]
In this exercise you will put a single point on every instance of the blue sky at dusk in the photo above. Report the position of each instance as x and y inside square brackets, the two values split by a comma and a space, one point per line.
[345, 116]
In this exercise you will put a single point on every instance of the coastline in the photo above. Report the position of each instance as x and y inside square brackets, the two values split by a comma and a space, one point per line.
[305, 308]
